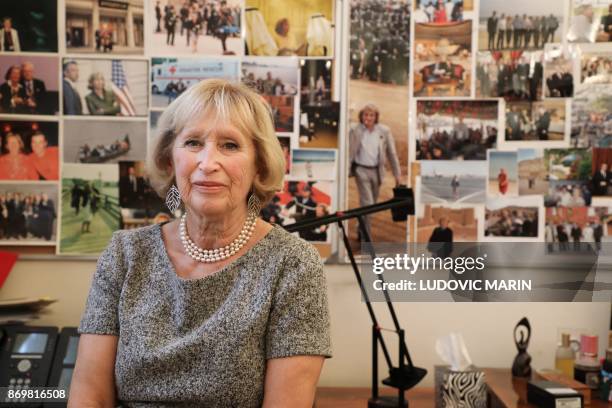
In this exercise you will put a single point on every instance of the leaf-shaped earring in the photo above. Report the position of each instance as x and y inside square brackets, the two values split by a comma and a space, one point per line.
[254, 205]
[173, 199]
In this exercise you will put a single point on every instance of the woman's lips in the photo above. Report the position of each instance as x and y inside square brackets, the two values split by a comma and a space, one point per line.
[208, 186]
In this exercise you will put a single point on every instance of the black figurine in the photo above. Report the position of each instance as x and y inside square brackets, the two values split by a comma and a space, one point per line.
[522, 362]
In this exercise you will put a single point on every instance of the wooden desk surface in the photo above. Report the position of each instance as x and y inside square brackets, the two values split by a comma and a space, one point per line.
[499, 380]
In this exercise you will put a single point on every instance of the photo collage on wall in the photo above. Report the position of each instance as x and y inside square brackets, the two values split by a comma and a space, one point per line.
[80, 105]
[516, 148]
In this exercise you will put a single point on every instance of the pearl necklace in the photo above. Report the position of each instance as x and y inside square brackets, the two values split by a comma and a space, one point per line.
[216, 254]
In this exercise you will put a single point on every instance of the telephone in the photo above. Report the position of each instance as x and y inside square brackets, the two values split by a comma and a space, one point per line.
[32, 356]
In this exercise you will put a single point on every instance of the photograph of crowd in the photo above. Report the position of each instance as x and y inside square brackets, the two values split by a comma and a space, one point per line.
[446, 224]
[28, 214]
[105, 87]
[104, 27]
[601, 174]
[513, 75]
[512, 217]
[289, 27]
[104, 141]
[170, 77]
[313, 164]
[535, 121]
[575, 229]
[443, 11]
[559, 70]
[203, 27]
[596, 68]
[503, 174]
[29, 150]
[443, 59]
[302, 200]
[90, 207]
[452, 130]
[380, 41]
[446, 182]
[28, 26]
[316, 82]
[590, 21]
[140, 204]
[568, 193]
[532, 173]
[591, 116]
[519, 24]
[277, 81]
[29, 85]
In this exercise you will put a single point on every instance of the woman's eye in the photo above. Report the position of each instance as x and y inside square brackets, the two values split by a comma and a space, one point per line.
[192, 143]
[230, 146]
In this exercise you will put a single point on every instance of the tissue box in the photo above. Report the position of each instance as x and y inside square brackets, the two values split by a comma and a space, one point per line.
[460, 389]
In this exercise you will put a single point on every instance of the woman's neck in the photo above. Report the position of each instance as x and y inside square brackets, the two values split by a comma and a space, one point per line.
[99, 92]
[209, 232]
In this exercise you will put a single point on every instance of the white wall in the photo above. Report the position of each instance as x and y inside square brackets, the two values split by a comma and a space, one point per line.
[487, 327]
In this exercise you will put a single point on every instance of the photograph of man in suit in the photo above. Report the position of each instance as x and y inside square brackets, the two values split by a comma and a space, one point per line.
[72, 98]
[131, 189]
[9, 37]
[34, 88]
[601, 180]
[371, 146]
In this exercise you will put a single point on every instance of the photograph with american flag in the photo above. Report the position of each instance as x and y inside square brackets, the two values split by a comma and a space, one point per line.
[106, 87]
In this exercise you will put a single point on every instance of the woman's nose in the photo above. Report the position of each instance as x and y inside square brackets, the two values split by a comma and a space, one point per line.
[208, 158]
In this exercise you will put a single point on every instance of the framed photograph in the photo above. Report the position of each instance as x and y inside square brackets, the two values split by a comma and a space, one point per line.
[443, 59]
[29, 26]
[277, 80]
[503, 174]
[90, 207]
[319, 126]
[591, 124]
[28, 213]
[316, 82]
[105, 87]
[512, 75]
[568, 193]
[446, 182]
[104, 141]
[519, 25]
[590, 21]
[176, 27]
[513, 219]
[314, 164]
[30, 150]
[443, 11]
[559, 70]
[532, 173]
[30, 85]
[543, 121]
[170, 77]
[456, 129]
[292, 27]
[113, 27]
[595, 64]
[461, 220]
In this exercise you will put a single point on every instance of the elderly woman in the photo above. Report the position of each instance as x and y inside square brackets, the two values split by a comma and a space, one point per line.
[15, 165]
[101, 101]
[217, 308]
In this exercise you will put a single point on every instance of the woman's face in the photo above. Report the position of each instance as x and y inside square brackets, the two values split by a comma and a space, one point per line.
[13, 146]
[214, 165]
[15, 74]
[98, 83]
[369, 118]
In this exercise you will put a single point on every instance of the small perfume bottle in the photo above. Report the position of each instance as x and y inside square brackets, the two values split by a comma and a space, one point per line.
[565, 356]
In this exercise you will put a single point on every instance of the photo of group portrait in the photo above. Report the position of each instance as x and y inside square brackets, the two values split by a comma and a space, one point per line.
[115, 27]
[443, 59]
[536, 121]
[29, 150]
[289, 27]
[577, 229]
[595, 67]
[559, 67]
[456, 129]
[519, 24]
[514, 218]
[105, 87]
[29, 85]
[202, 27]
[28, 214]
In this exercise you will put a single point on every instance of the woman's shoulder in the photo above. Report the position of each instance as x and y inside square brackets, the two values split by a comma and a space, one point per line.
[291, 246]
[130, 242]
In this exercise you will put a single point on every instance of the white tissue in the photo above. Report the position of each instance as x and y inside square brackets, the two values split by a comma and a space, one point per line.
[453, 352]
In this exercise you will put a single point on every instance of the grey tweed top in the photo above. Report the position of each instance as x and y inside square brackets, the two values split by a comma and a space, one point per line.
[204, 342]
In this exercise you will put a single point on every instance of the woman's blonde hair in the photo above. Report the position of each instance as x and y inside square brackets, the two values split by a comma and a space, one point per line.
[229, 101]
[92, 78]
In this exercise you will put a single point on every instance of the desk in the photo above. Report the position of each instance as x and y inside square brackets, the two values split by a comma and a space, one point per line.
[502, 394]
